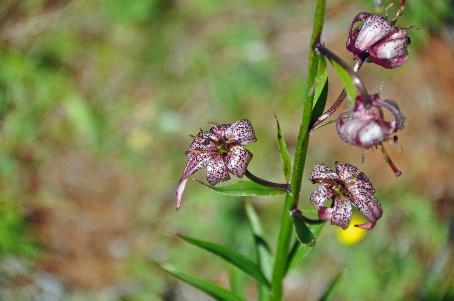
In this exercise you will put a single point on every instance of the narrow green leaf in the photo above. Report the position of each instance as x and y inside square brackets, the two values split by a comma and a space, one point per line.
[299, 251]
[241, 262]
[330, 290]
[263, 249]
[285, 156]
[209, 288]
[237, 281]
[347, 81]
[245, 188]
[321, 90]
[303, 232]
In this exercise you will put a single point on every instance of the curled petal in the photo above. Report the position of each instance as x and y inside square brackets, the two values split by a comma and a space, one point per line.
[217, 171]
[345, 170]
[241, 132]
[391, 52]
[362, 182]
[203, 142]
[321, 173]
[368, 205]
[237, 160]
[342, 212]
[374, 28]
[321, 195]
[399, 119]
[195, 162]
[219, 131]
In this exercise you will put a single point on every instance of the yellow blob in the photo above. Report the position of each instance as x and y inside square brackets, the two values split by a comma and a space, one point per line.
[352, 234]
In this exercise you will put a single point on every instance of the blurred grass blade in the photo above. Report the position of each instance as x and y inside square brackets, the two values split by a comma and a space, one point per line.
[245, 188]
[241, 262]
[285, 157]
[262, 248]
[209, 288]
[347, 80]
[303, 232]
[300, 251]
[237, 281]
[332, 286]
[321, 90]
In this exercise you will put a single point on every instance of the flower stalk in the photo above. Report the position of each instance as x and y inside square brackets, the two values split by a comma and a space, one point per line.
[254, 178]
[292, 198]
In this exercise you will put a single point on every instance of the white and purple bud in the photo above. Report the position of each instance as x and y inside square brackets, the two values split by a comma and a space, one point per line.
[365, 126]
[221, 151]
[378, 40]
[345, 186]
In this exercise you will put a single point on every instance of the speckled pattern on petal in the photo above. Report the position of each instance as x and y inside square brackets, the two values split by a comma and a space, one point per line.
[320, 195]
[345, 170]
[219, 131]
[374, 28]
[203, 142]
[342, 213]
[241, 132]
[322, 172]
[237, 160]
[367, 204]
[217, 171]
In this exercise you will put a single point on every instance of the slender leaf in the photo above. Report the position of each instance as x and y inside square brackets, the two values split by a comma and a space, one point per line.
[241, 262]
[347, 80]
[303, 232]
[299, 251]
[285, 156]
[321, 90]
[332, 286]
[263, 249]
[209, 288]
[246, 188]
[237, 281]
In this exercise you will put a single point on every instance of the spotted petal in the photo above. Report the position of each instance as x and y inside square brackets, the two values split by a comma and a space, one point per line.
[321, 195]
[346, 171]
[204, 141]
[368, 205]
[241, 132]
[342, 212]
[321, 173]
[391, 52]
[237, 160]
[195, 162]
[217, 171]
[374, 28]
[219, 131]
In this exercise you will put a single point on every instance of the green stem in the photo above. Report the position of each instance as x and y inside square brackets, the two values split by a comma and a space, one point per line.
[291, 199]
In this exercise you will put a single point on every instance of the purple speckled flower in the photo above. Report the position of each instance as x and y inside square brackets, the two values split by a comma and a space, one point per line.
[220, 150]
[367, 127]
[379, 40]
[345, 186]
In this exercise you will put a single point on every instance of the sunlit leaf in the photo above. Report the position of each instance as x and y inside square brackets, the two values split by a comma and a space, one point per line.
[241, 262]
[321, 89]
[245, 188]
[347, 80]
[209, 288]
[332, 286]
[285, 157]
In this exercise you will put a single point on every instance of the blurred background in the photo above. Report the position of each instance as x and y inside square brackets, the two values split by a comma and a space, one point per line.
[97, 99]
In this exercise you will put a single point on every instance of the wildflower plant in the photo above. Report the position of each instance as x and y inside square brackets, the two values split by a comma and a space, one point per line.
[222, 151]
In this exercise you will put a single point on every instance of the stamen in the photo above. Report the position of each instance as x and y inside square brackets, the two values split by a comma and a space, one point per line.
[388, 160]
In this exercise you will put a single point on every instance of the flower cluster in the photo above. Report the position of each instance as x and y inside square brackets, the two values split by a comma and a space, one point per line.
[221, 149]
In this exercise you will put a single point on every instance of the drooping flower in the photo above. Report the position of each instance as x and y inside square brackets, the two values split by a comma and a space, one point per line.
[345, 186]
[365, 126]
[220, 150]
[378, 40]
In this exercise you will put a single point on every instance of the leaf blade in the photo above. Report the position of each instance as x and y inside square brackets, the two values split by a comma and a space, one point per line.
[332, 286]
[283, 150]
[217, 292]
[236, 259]
[245, 188]
[321, 90]
[347, 80]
